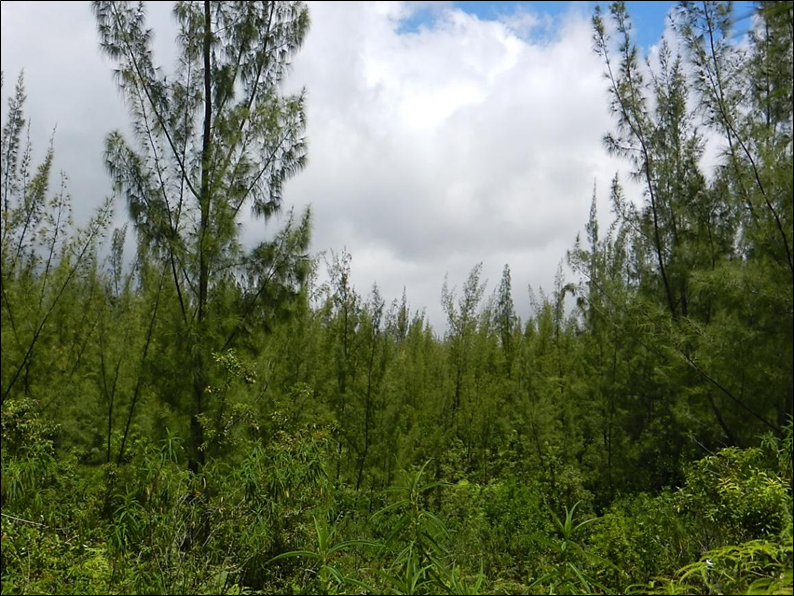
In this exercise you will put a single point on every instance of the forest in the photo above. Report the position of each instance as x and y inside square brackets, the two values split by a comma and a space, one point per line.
[203, 416]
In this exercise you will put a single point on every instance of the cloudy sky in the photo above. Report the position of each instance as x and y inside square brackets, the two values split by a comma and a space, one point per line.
[441, 134]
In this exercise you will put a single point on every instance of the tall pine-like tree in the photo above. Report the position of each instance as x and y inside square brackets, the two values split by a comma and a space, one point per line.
[213, 140]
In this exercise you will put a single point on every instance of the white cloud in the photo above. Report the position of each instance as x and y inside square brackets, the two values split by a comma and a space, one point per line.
[461, 141]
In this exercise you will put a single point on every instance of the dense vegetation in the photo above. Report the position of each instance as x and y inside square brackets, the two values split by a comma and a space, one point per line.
[207, 417]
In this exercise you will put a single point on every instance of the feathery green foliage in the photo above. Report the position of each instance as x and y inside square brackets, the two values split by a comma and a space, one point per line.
[205, 416]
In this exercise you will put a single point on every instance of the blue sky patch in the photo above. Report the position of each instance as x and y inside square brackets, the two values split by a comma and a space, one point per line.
[649, 18]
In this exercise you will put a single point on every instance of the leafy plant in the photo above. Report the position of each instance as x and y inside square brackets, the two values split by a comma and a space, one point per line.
[570, 574]
[755, 567]
[326, 577]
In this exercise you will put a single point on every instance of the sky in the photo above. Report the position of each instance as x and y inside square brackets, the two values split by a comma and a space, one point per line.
[441, 134]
